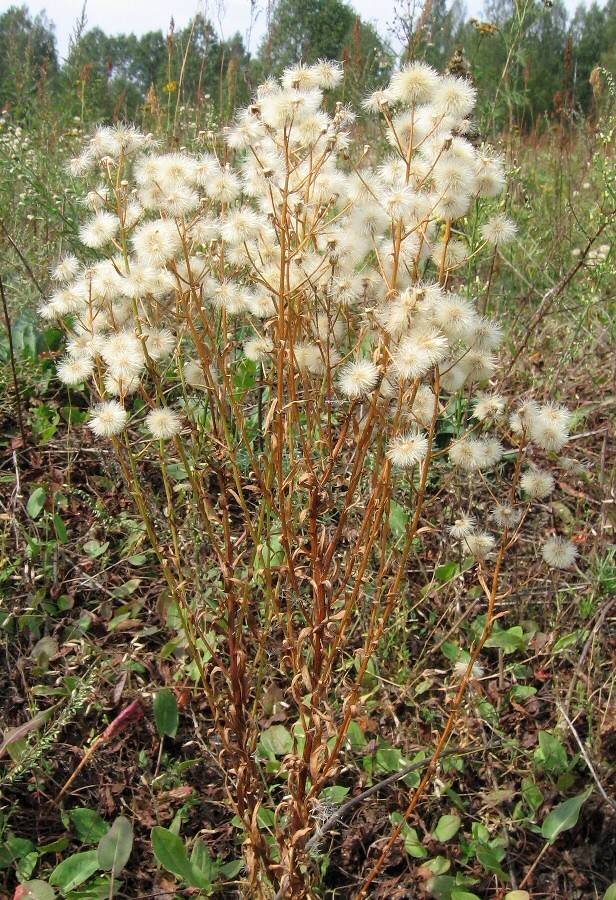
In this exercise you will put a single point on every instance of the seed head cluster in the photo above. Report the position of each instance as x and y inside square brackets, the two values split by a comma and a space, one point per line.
[281, 256]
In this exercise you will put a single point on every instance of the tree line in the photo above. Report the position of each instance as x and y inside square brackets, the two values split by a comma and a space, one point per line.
[529, 57]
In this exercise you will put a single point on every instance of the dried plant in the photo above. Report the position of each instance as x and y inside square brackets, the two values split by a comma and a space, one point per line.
[279, 345]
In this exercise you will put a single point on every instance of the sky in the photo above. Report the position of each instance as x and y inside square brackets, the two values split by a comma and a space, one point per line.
[228, 16]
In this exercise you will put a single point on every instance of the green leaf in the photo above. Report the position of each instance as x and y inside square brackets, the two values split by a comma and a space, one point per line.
[170, 852]
[517, 895]
[89, 826]
[232, 869]
[27, 865]
[74, 871]
[98, 888]
[398, 518]
[114, 848]
[200, 858]
[441, 886]
[277, 740]
[355, 737]
[490, 858]
[551, 755]
[166, 714]
[522, 692]
[564, 816]
[126, 589]
[389, 759]
[14, 849]
[509, 641]
[36, 502]
[568, 640]
[60, 527]
[439, 865]
[446, 828]
[35, 890]
[532, 795]
[335, 793]
[94, 548]
[610, 894]
[412, 843]
[463, 895]
[446, 572]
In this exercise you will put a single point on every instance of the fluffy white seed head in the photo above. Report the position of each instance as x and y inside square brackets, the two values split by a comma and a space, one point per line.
[488, 407]
[537, 484]
[156, 242]
[462, 527]
[506, 516]
[358, 378]
[559, 553]
[258, 348]
[406, 450]
[163, 423]
[416, 82]
[498, 230]
[99, 230]
[74, 370]
[480, 544]
[108, 418]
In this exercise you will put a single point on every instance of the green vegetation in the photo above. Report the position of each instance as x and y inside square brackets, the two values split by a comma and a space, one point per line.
[168, 703]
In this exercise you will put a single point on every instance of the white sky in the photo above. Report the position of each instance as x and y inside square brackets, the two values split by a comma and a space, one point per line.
[227, 16]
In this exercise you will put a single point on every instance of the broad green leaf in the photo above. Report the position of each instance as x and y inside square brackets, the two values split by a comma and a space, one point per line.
[14, 849]
[457, 894]
[355, 737]
[551, 755]
[27, 865]
[98, 888]
[446, 572]
[89, 826]
[439, 865]
[389, 759]
[568, 640]
[114, 848]
[398, 518]
[610, 894]
[564, 816]
[335, 793]
[509, 641]
[61, 531]
[35, 890]
[36, 502]
[446, 828]
[166, 713]
[412, 843]
[170, 852]
[200, 858]
[441, 886]
[532, 795]
[277, 740]
[490, 858]
[74, 871]
[517, 895]
[232, 869]
[522, 692]
[94, 548]
[125, 590]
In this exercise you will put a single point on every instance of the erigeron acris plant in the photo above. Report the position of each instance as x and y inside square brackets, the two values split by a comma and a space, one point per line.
[279, 321]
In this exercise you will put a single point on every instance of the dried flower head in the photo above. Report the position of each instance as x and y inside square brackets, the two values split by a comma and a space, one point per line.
[406, 450]
[108, 418]
[163, 423]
